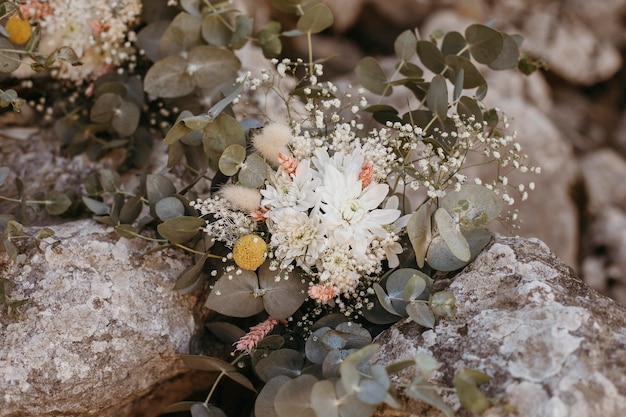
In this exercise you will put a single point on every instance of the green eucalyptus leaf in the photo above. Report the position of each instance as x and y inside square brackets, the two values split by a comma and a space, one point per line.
[126, 231]
[454, 44]
[253, 171]
[169, 77]
[219, 107]
[315, 20]
[467, 107]
[294, 399]
[383, 113]
[384, 299]
[324, 399]
[371, 392]
[396, 367]
[207, 363]
[206, 410]
[190, 278]
[356, 335]
[286, 362]
[313, 348]
[236, 295]
[378, 315]
[182, 34]
[409, 69]
[284, 291]
[180, 229]
[109, 180]
[105, 108]
[442, 303]
[243, 29]
[437, 97]
[485, 44]
[509, 55]
[211, 66]
[131, 210]
[471, 397]
[158, 187]
[228, 333]
[405, 45]
[176, 133]
[440, 257]
[231, 159]
[97, 207]
[474, 205]
[431, 56]
[332, 361]
[351, 406]
[57, 203]
[395, 285]
[426, 364]
[64, 53]
[10, 249]
[4, 173]
[458, 84]
[269, 40]
[426, 392]
[371, 75]
[214, 31]
[420, 313]
[180, 406]
[126, 118]
[491, 117]
[451, 233]
[350, 376]
[168, 208]
[418, 229]
[9, 60]
[416, 286]
[472, 78]
[222, 133]
[264, 403]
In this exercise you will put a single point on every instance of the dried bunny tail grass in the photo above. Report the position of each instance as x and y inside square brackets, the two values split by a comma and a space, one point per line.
[242, 198]
[272, 141]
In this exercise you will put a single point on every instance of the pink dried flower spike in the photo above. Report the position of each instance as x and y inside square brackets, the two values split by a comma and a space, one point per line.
[367, 169]
[255, 335]
[288, 162]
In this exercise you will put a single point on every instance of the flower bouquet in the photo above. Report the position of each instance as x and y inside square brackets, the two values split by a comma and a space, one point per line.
[316, 219]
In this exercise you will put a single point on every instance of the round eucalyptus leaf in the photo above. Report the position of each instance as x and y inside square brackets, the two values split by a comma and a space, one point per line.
[243, 29]
[416, 287]
[105, 108]
[467, 107]
[114, 87]
[180, 229]
[189, 279]
[357, 335]
[176, 133]
[270, 42]
[472, 78]
[206, 410]
[405, 45]
[485, 43]
[253, 172]
[334, 339]
[9, 61]
[371, 75]
[224, 131]
[207, 363]
[378, 315]
[57, 203]
[424, 392]
[158, 187]
[420, 313]
[284, 291]
[431, 56]
[440, 257]
[264, 403]
[384, 299]
[509, 55]
[395, 287]
[236, 295]
[437, 97]
[64, 53]
[149, 37]
[214, 32]
[231, 159]
[271, 342]
[169, 77]
[96, 207]
[313, 348]
[324, 399]
[315, 19]
[168, 208]
[418, 230]
[182, 33]
[126, 118]
[211, 66]
[471, 397]
[352, 406]
[475, 205]
[126, 231]
[409, 69]
[371, 392]
[454, 44]
[442, 303]
[286, 362]
[294, 399]
[451, 234]
[131, 210]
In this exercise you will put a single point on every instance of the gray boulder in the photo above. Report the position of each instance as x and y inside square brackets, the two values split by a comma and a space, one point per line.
[551, 345]
[101, 326]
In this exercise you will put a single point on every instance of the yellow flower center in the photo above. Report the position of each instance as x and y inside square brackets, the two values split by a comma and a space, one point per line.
[19, 30]
[250, 252]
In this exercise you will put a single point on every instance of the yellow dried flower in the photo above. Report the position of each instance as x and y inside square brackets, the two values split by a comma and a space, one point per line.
[19, 30]
[250, 252]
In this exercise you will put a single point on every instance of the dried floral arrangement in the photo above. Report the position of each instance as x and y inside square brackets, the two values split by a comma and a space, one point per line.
[314, 217]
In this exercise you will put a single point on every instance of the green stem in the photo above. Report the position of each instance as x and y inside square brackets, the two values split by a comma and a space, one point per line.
[220, 376]
[15, 200]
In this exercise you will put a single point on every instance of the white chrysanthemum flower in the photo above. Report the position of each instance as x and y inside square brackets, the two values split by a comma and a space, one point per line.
[390, 243]
[297, 236]
[296, 192]
[350, 212]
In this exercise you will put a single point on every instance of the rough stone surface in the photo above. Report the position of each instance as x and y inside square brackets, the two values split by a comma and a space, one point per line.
[101, 326]
[552, 346]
